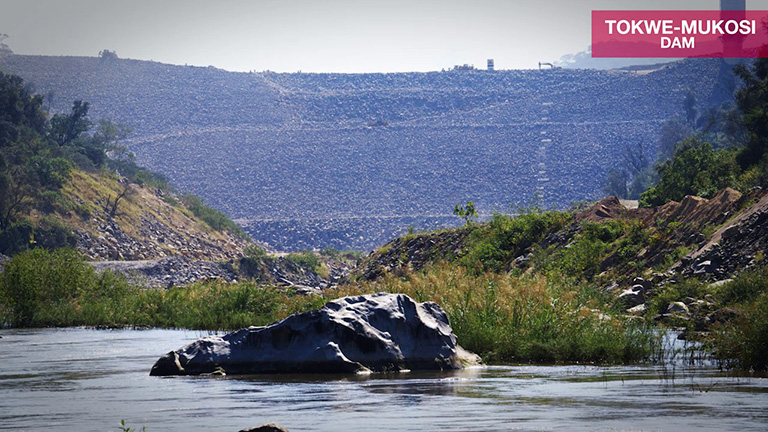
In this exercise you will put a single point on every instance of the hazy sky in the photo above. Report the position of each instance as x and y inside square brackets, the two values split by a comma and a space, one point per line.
[318, 35]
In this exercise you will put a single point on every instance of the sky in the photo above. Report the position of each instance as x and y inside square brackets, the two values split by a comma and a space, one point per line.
[317, 35]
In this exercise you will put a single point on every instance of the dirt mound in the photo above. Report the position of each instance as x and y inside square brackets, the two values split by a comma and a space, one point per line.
[606, 208]
[696, 211]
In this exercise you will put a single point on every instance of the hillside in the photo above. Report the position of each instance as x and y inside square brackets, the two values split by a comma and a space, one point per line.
[349, 160]
[145, 226]
[66, 182]
[646, 260]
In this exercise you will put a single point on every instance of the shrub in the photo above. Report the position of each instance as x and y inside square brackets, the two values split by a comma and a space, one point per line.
[745, 287]
[151, 179]
[254, 251]
[695, 169]
[17, 237]
[307, 260]
[743, 342]
[52, 172]
[466, 212]
[492, 246]
[330, 252]
[52, 234]
[595, 246]
[676, 292]
[52, 201]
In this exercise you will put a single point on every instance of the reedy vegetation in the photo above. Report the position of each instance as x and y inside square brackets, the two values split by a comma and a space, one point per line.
[501, 317]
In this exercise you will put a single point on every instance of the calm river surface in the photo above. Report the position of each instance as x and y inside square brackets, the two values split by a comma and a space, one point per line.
[88, 380]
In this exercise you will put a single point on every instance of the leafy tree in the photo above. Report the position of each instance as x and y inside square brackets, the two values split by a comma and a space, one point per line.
[65, 128]
[673, 132]
[51, 172]
[466, 212]
[616, 183]
[19, 110]
[695, 169]
[107, 55]
[17, 190]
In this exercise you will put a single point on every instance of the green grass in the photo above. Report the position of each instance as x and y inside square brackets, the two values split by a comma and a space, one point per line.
[492, 246]
[504, 319]
[40, 289]
[214, 218]
[743, 342]
[307, 260]
[530, 319]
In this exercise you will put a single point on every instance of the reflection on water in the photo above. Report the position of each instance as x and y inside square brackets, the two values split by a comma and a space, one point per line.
[87, 380]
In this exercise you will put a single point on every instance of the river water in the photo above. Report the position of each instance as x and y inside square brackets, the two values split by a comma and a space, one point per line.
[88, 380]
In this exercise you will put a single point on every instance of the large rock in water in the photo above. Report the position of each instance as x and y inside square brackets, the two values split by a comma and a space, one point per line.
[378, 332]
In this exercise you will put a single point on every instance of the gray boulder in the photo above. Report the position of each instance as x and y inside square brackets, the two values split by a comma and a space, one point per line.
[377, 332]
[634, 296]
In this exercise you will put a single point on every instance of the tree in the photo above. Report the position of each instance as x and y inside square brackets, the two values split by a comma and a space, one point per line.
[672, 132]
[691, 110]
[18, 109]
[467, 212]
[695, 169]
[65, 128]
[17, 190]
[107, 55]
[752, 102]
[616, 183]
[4, 48]
[110, 206]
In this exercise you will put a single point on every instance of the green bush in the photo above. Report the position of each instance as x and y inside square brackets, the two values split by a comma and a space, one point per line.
[51, 172]
[151, 179]
[52, 201]
[745, 287]
[678, 292]
[307, 260]
[330, 252]
[254, 251]
[743, 342]
[597, 243]
[493, 246]
[52, 234]
[695, 169]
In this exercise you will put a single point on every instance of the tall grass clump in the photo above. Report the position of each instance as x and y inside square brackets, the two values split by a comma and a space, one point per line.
[41, 288]
[745, 287]
[743, 342]
[529, 319]
[217, 305]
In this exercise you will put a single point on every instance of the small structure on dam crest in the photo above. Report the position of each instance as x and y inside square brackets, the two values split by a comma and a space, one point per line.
[377, 332]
